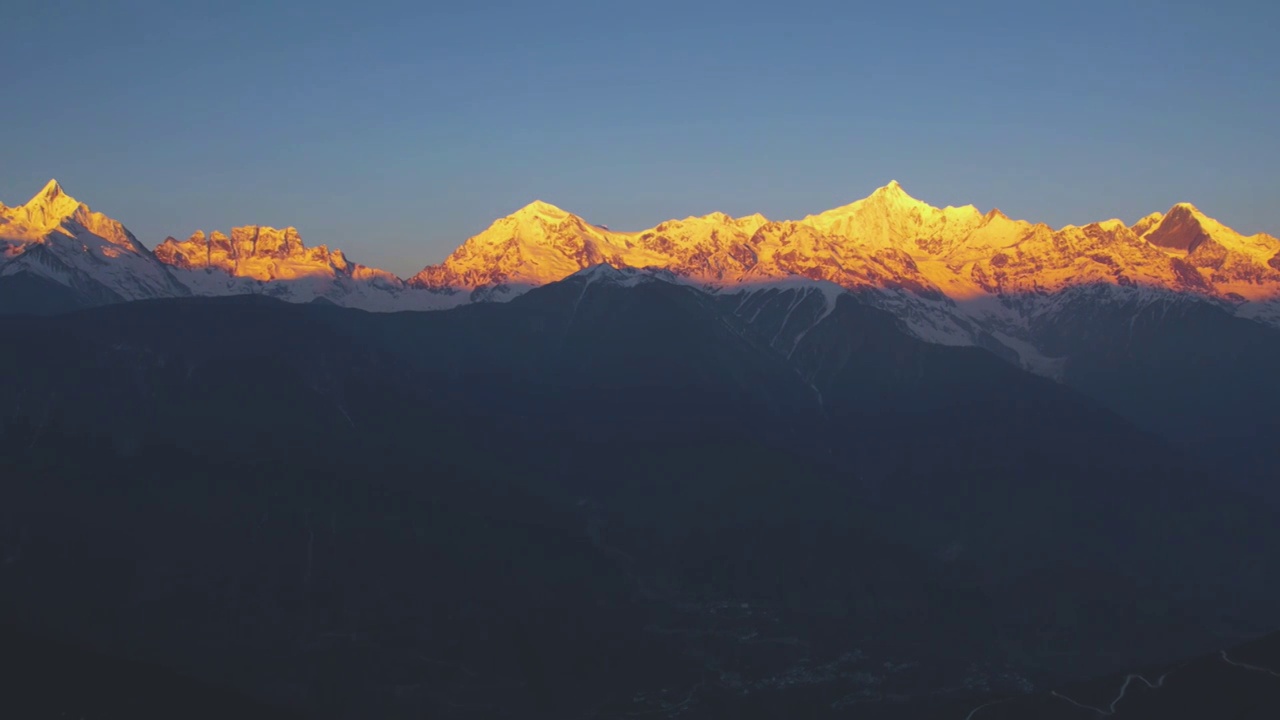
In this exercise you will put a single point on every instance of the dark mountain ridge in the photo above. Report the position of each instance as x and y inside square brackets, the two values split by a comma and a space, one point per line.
[599, 497]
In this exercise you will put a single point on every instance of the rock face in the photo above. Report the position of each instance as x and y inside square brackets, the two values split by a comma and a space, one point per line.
[254, 251]
[265, 260]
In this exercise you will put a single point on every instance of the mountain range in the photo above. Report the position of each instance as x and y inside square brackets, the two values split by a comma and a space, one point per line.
[952, 275]
[1115, 310]
[732, 469]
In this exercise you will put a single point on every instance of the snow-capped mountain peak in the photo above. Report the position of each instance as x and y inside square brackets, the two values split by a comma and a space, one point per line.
[46, 209]
[539, 210]
[892, 190]
[56, 238]
[1181, 228]
[887, 198]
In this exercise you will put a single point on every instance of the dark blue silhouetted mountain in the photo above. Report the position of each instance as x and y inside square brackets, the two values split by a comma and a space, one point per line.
[615, 494]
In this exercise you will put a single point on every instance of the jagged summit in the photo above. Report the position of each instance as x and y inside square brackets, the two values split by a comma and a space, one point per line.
[275, 261]
[253, 251]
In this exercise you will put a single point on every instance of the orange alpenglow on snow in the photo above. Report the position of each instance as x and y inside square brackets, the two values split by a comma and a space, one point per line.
[55, 236]
[260, 253]
[51, 209]
[887, 240]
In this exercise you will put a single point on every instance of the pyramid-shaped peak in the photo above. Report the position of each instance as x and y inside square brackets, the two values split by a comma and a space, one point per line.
[51, 194]
[893, 192]
[50, 206]
[538, 208]
[1182, 228]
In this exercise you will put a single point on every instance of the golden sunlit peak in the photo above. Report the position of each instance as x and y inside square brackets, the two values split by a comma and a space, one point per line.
[50, 188]
[893, 191]
[1185, 207]
[52, 193]
[538, 208]
[49, 207]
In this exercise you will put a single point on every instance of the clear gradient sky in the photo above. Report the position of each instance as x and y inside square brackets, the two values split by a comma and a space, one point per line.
[394, 130]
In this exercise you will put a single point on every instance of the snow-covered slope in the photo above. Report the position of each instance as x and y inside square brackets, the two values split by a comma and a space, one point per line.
[57, 238]
[255, 259]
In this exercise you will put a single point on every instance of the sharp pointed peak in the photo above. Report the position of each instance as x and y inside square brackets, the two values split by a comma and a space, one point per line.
[50, 207]
[892, 191]
[50, 194]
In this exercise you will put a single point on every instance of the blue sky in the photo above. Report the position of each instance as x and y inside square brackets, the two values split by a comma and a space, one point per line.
[394, 130]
